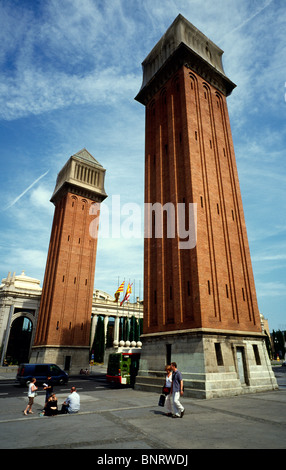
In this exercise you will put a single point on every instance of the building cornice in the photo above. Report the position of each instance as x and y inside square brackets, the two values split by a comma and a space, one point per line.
[182, 45]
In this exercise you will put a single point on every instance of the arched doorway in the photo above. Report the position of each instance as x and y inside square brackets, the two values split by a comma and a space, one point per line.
[19, 341]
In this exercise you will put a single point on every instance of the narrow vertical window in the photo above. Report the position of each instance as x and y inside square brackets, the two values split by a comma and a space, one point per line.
[218, 353]
[226, 290]
[168, 353]
[209, 288]
[243, 296]
[256, 355]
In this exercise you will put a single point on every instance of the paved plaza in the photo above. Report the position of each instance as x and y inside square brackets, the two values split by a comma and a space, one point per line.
[126, 419]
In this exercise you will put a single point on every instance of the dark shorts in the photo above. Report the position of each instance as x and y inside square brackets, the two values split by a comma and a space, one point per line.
[31, 401]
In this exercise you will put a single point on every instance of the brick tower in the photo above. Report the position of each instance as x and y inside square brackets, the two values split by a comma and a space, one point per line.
[200, 306]
[63, 329]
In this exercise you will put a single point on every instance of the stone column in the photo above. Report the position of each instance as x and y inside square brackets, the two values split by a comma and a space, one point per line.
[106, 318]
[7, 333]
[93, 328]
[116, 332]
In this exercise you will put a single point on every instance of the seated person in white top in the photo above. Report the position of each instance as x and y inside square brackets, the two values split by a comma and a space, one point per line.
[72, 403]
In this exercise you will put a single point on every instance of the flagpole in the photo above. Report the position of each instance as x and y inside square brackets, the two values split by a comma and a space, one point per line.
[117, 309]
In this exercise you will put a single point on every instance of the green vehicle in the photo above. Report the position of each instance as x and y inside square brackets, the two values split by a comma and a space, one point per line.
[123, 368]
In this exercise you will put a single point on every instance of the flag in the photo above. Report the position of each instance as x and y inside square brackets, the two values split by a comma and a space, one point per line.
[117, 293]
[127, 294]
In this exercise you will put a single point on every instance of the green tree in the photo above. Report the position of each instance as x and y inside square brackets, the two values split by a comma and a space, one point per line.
[99, 341]
[268, 345]
[132, 334]
[126, 329]
[279, 344]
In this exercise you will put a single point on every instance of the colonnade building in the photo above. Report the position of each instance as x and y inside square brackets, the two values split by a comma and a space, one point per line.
[20, 297]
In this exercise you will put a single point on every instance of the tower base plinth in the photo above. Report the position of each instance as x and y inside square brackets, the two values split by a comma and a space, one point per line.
[212, 365]
[70, 358]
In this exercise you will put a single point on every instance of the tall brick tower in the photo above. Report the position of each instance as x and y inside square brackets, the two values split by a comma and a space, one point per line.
[199, 298]
[63, 329]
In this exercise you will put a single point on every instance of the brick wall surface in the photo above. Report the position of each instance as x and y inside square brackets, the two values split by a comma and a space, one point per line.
[189, 158]
[65, 310]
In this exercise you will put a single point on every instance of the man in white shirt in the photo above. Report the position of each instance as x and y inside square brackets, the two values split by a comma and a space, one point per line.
[72, 403]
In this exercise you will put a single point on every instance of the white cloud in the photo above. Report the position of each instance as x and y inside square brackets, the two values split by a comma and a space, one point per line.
[271, 289]
[69, 72]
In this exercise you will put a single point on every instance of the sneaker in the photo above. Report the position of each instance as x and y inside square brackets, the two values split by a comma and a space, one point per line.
[182, 413]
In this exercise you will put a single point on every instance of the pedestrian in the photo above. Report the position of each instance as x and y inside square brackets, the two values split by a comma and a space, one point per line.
[177, 391]
[48, 386]
[31, 395]
[167, 390]
[51, 408]
[72, 403]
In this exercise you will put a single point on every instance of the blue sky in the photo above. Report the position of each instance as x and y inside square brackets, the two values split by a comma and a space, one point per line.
[69, 72]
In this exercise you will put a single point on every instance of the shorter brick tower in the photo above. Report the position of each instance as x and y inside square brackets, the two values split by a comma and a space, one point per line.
[63, 329]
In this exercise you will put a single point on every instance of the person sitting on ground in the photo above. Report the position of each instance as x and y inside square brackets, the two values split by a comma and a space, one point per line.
[72, 403]
[51, 408]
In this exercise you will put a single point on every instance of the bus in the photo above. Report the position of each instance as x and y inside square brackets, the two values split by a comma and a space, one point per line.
[123, 368]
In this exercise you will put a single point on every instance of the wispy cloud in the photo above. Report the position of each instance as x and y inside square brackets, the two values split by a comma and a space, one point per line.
[247, 20]
[271, 289]
[26, 190]
[69, 72]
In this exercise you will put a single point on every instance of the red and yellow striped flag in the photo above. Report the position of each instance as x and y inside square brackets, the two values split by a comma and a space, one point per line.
[117, 293]
[127, 293]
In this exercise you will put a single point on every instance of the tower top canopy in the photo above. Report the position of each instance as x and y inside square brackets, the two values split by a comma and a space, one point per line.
[86, 157]
[82, 174]
[191, 47]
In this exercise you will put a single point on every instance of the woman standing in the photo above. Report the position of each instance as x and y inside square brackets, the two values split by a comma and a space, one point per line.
[31, 396]
[167, 390]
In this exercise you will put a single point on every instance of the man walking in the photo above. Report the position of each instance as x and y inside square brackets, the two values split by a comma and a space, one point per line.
[177, 391]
